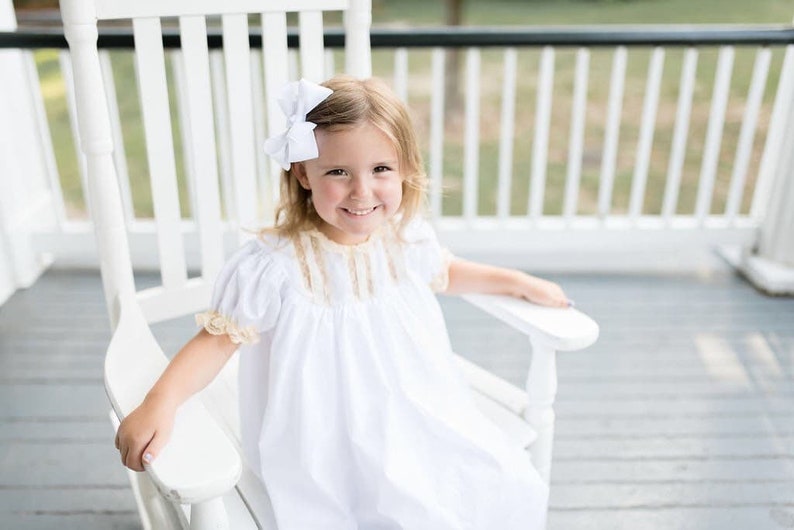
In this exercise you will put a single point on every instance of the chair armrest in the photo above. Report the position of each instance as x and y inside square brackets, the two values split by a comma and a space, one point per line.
[559, 328]
[199, 462]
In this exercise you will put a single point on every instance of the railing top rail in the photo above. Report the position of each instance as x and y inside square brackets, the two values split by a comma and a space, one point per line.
[467, 36]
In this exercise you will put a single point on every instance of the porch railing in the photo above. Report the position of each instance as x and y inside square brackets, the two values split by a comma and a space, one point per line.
[602, 147]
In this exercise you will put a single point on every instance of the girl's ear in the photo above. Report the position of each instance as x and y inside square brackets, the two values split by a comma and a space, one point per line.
[299, 170]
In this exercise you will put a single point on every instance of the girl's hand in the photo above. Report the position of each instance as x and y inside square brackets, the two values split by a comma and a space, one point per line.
[542, 292]
[144, 432]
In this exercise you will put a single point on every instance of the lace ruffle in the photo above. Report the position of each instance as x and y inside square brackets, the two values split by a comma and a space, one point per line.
[218, 324]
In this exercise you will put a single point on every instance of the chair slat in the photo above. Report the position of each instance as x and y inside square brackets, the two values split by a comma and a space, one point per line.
[183, 113]
[471, 149]
[769, 159]
[65, 62]
[330, 63]
[678, 149]
[266, 206]
[578, 114]
[540, 144]
[193, 31]
[150, 67]
[507, 133]
[437, 131]
[358, 55]
[755, 97]
[711, 152]
[241, 115]
[114, 9]
[401, 73]
[647, 127]
[609, 158]
[274, 52]
[119, 153]
[310, 25]
[222, 133]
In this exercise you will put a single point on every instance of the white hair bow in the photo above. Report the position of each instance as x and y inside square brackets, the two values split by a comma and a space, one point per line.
[297, 143]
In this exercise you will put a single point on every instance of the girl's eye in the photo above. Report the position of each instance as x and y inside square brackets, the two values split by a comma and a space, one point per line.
[381, 169]
[336, 172]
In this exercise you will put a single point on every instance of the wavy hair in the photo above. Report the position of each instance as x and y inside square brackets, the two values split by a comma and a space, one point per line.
[355, 101]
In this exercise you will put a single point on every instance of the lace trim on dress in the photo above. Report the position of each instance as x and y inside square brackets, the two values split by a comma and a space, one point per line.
[440, 283]
[217, 324]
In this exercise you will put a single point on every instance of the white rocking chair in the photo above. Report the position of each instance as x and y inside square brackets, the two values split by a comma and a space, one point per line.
[199, 480]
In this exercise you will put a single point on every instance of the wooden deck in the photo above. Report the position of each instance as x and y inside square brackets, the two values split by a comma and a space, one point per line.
[680, 417]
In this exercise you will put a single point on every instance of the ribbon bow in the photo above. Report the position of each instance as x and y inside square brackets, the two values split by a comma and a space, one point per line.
[297, 143]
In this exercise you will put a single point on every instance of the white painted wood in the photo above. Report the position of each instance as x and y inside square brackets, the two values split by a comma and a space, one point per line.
[222, 132]
[711, 152]
[540, 143]
[775, 136]
[274, 54]
[744, 148]
[330, 63]
[25, 200]
[542, 391]
[612, 131]
[65, 62]
[312, 54]
[559, 329]
[647, 127]
[437, 132]
[242, 118]
[202, 138]
[183, 113]
[510, 397]
[292, 64]
[96, 143]
[209, 515]
[133, 363]
[48, 154]
[357, 21]
[119, 154]
[776, 242]
[576, 143]
[152, 88]
[507, 133]
[265, 198]
[471, 142]
[679, 142]
[110, 9]
[401, 73]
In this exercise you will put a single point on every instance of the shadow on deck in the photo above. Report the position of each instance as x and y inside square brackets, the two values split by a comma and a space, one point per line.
[680, 417]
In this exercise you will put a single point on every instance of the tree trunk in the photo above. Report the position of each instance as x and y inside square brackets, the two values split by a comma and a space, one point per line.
[453, 16]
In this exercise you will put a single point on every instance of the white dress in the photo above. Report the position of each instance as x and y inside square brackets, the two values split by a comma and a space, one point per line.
[352, 409]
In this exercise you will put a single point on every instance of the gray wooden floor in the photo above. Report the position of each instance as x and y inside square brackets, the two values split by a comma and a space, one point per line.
[680, 417]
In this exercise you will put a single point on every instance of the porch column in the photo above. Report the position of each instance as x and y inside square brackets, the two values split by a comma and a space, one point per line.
[24, 192]
[770, 267]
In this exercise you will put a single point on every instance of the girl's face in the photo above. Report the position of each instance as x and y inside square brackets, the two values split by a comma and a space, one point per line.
[355, 182]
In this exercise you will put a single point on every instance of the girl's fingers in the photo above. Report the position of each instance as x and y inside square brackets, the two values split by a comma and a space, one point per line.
[154, 447]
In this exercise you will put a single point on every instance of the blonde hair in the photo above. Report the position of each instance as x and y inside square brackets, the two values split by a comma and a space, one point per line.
[356, 101]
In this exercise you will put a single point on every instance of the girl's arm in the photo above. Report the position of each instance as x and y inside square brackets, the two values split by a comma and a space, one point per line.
[144, 432]
[470, 277]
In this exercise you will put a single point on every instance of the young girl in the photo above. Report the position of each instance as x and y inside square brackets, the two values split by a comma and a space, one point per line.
[352, 410]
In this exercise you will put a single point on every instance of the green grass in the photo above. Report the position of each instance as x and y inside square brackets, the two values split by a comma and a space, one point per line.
[414, 12]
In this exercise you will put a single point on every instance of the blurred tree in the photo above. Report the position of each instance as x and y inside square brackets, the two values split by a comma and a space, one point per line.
[453, 16]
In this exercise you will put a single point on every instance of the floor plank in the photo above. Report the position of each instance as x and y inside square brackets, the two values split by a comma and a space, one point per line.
[681, 416]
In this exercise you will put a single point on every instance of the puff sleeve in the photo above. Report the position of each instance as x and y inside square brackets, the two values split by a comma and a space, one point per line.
[425, 255]
[246, 299]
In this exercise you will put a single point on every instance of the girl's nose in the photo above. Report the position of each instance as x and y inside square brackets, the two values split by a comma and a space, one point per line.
[360, 188]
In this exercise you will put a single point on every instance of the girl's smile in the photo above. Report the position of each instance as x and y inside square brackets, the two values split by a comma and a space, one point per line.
[355, 182]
